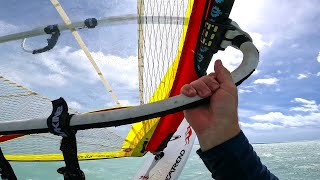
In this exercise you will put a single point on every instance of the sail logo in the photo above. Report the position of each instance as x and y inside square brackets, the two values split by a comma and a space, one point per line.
[215, 11]
[188, 135]
[144, 177]
[55, 122]
[176, 164]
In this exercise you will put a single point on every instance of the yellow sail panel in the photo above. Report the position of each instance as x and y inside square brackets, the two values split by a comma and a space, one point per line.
[141, 132]
[59, 157]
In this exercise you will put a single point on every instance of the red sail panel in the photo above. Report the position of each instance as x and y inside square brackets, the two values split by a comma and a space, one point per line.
[185, 74]
[10, 137]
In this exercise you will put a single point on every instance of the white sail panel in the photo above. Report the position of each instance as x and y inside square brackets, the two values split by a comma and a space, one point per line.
[161, 43]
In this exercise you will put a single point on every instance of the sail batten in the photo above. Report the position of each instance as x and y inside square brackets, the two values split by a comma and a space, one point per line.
[83, 46]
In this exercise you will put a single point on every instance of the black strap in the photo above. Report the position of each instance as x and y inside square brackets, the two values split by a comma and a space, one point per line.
[59, 120]
[6, 170]
[52, 41]
[72, 169]
[58, 124]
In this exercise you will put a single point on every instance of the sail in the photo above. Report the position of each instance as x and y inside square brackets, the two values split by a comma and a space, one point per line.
[157, 85]
[162, 29]
[184, 74]
[96, 71]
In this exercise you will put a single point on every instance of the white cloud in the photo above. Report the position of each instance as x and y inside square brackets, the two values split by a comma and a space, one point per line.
[304, 101]
[294, 45]
[123, 102]
[51, 61]
[120, 70]
[247, 89]
[258, 41]
[127, 103]
[75, 105]
[260, 126]
[231, 59]
[302, 76]
[306, 108]
[311, 116]
[64, 65]
[267, 81]
[245, 113]
[273, 120]
[252, 15]
[256, 72]
[245, 17]
[6, 28]
[318, 58]
[318, 74]
[241, 91]
[37, 79]
[307, 105]
[56, 80]
[269, 107]
[289, 120]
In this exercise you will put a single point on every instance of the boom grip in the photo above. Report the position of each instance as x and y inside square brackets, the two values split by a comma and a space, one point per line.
[248, 65]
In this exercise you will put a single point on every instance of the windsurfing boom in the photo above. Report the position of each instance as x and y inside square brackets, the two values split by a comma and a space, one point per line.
[119, 117]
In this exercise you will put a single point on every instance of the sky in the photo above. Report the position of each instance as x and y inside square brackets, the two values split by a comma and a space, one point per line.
[279, 102]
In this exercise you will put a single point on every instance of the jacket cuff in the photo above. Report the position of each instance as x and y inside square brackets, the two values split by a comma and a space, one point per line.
[217, 152]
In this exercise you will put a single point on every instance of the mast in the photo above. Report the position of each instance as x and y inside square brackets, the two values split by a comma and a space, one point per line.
[140, 48]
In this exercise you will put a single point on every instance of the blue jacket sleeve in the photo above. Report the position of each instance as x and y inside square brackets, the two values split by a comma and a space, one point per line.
[235, 159]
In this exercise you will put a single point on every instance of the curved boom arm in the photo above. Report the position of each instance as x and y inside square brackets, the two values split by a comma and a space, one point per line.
[139, 113]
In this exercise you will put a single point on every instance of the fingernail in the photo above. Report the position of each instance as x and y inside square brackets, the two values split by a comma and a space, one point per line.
[218, 62]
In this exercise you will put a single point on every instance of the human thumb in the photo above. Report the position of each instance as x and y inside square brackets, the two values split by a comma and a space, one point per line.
[222, 74]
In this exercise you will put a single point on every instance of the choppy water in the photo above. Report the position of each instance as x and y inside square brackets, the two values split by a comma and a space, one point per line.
[296, 160]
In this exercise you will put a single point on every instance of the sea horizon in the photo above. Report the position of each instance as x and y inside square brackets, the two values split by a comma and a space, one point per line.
[288, 161]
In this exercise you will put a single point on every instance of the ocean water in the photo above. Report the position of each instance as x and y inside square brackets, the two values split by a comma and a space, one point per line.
[294, 160]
